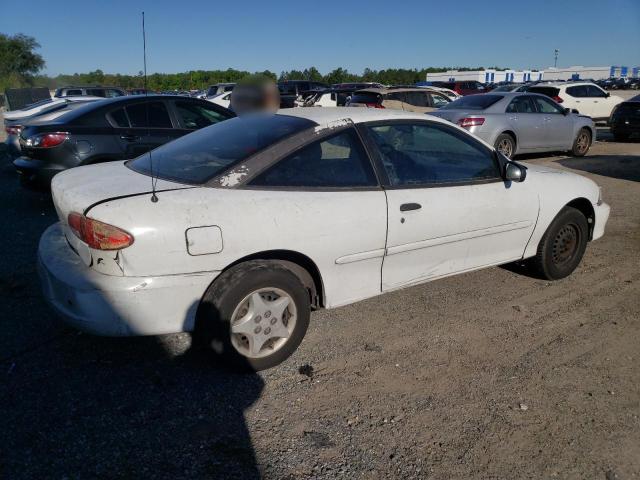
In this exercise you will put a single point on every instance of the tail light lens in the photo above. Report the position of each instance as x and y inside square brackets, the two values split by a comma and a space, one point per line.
[374, 105]
[558, 99]
[98, 235]
[46, 140]
[471, 122]
[13, 129]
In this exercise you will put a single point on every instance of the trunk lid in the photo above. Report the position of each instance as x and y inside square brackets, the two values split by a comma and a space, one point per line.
[80, 189]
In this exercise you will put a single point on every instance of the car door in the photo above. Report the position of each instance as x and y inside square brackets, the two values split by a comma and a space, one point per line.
[528, 124]
[602, 103]
[558, 126]
[449, 210]
[150, 126]
[581, 100]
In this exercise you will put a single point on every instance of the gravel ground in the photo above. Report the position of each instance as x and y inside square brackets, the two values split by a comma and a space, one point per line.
[490, 374]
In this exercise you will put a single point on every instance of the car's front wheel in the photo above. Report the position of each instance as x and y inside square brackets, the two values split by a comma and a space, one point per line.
[562, 246]
[254, 315]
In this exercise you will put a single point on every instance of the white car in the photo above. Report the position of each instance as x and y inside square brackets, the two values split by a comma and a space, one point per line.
[222, 99]
[46, 105]
[586, 97]
[260, 219]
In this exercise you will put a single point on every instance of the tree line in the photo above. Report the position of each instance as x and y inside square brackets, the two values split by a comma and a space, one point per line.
[20, 64]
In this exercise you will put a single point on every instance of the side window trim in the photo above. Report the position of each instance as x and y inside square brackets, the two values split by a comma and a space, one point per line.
[382, 173]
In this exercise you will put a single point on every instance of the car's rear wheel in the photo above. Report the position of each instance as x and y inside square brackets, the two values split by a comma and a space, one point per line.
[505, 144]
[562, 246]
[582, 143]
[254, 316]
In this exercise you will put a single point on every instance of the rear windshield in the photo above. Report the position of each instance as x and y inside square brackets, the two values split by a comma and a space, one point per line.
[201, 155]
[548, 91]
[364, 97]
[473, 102]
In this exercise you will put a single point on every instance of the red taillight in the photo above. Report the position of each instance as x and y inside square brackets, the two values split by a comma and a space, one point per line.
[470, 122]
[13, 129]
[47, 140]
[558, 99]
[374, 105]
[98, 235]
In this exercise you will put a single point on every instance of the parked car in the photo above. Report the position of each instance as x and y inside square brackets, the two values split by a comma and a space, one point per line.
[292, 92]
[52, 108]
[222, 99]
[446, 91]
[468, 87]
[588, 98]
[113, 129]
[262, 218]
[336, 96]
[416, 99]
[93, 91]
[625, 119]
[219, 88]
[515, 123]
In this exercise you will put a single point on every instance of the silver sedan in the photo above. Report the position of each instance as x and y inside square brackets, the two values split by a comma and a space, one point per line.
[521, 122]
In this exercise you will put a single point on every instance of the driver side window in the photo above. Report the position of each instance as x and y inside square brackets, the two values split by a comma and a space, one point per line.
[428, 154]
[547, 106]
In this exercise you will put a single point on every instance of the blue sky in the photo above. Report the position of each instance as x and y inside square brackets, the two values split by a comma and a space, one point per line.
[79, 36]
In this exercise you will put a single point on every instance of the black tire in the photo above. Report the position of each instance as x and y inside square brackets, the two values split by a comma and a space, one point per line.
[505, 144]
[562, 246]
[213, 320]
[582, 143]
[620, 136]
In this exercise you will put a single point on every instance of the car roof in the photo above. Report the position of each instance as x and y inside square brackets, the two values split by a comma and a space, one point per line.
[327, 116]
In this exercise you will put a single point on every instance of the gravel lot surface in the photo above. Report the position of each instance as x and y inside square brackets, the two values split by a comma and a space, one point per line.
[490, 374]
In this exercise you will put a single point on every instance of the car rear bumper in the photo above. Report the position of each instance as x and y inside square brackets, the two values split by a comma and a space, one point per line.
[602, 215]
[116, 305]
[32, 170]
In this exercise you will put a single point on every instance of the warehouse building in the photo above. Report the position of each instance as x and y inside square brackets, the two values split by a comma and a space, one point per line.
[519, 76]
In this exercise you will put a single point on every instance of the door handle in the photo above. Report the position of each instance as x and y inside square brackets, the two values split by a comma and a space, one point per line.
[406, 207]
[130, 138]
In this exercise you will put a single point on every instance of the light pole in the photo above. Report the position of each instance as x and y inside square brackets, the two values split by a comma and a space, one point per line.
[555, 60]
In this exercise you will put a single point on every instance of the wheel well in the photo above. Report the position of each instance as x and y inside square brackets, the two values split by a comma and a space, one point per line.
[591, 133]
[512, 135]
[587, 210]
[301, 265]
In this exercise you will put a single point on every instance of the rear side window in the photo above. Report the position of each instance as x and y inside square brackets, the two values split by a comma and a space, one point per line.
[194, 115]
[72, 93]
[578, 91]
[155, 112]
[96, 92]
[119, 118]
[205, 153]
[365, 97]
[521, 105]
[417, 99]
[339, 161]
[474, 102]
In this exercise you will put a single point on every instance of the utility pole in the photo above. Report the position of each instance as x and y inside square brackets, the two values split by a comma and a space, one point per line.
[555, 60]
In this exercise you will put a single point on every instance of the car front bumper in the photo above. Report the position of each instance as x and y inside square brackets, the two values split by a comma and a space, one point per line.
[602, 215]
[116, 305]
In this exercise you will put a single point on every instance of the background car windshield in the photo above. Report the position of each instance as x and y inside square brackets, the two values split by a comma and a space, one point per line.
[473, 102]
[198, 157]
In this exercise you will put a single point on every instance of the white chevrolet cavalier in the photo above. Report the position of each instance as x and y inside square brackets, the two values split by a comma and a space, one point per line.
[260, 219]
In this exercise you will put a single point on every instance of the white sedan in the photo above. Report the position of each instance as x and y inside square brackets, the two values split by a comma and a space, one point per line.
[260, 219]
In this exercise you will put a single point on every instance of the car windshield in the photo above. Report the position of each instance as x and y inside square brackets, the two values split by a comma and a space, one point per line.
[473, 102]
[201, 155]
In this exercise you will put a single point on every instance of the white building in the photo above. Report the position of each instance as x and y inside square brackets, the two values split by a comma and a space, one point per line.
[551, 73]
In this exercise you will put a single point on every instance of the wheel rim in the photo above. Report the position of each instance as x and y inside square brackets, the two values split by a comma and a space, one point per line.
[505, 147]
[583, 142]
[565, 245]
[262, 322]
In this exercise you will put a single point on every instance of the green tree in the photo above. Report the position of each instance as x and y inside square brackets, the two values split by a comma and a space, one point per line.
[18, 61]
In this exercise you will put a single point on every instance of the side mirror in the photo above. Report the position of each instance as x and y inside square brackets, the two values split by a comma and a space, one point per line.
[566, 111]
[607, 94]
[515, 172]
[575, 110]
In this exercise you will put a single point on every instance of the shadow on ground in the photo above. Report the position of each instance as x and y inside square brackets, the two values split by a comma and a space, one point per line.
[625, 167]
[78, 406]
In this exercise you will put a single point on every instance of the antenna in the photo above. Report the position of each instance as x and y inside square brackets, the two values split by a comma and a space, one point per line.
[154, 181]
